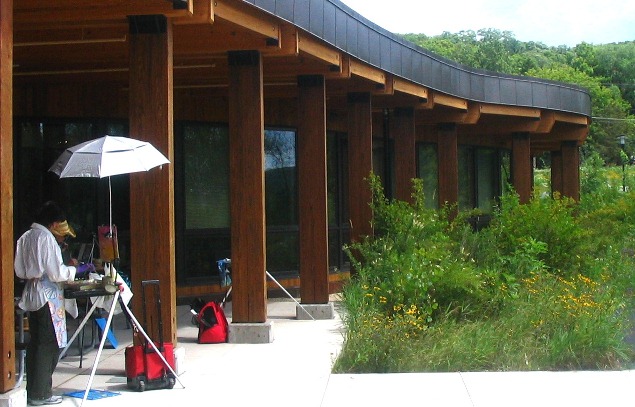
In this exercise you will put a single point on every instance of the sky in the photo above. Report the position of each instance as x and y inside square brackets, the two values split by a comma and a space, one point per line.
[552, 22]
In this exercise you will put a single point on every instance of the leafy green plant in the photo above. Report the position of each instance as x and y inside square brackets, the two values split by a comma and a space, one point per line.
[542, 287]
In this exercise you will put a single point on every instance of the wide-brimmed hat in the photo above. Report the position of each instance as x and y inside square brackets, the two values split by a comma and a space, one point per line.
[63, 229]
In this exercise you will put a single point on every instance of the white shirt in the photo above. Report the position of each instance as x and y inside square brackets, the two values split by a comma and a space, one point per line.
[38, 255]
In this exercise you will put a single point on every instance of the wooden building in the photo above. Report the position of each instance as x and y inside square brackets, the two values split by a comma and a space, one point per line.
[272, 113]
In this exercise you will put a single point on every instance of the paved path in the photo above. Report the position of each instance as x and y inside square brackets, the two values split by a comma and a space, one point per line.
[295, 370]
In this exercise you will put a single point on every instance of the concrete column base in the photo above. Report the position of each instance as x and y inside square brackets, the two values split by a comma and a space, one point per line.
[317, 311]
[250, 332]
[13, 398]
[179, 360]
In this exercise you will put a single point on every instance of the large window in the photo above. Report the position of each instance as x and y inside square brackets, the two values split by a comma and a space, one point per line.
[281, 204]
[201, 201]
[206, 169]
[337, 186]
[428, 171]
[482, 173]
[204, 222]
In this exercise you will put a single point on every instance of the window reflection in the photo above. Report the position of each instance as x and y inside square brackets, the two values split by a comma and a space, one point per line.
[428, 171]
[280, 178]
[206, 173]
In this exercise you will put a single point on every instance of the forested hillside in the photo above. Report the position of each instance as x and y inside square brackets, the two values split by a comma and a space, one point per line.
[606, 70]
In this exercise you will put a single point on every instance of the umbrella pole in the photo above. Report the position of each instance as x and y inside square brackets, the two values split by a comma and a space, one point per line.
[110, 198]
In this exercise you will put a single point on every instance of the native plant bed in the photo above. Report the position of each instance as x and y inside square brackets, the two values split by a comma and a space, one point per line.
[546, 286]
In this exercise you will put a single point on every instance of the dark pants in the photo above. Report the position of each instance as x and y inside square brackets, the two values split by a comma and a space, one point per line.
[42, 353]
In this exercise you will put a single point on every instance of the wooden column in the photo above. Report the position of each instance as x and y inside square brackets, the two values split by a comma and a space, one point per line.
[448, 151]
[402, 130]
[152, 192]
[556, 172]
[314, 253]
[247, 186]
[571, 170]
[521, 166]
[7, 320]
[360, 164]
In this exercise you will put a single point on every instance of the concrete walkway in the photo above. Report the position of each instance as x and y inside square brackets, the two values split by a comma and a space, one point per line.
[295, 370]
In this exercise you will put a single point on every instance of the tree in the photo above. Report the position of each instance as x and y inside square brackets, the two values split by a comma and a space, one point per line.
[607, 103]
[616, 62]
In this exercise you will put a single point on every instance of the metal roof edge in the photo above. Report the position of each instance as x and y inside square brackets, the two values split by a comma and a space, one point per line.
[343, 28]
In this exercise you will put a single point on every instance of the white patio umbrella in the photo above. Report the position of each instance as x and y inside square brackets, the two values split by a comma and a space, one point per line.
[107, 156]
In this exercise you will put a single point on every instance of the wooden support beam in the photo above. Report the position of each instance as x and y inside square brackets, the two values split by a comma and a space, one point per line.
[571, 170]
[247, 187]
[502, 126]
[547, 120]
[318, 50]
[7, 320]
[247, 17]
[402, 131]
[152, 193]
[404, 86]
[194, 41]
[449, 101]
[354, 85]
[388, 88]
[473, 113]
[395, 101]
[367, 72]
[505, 110]
[360, 164]
[560, 133]
[572, 119]
[202, 12]
[289, 44]
[345, 69]
[445, 115]
[313, 219]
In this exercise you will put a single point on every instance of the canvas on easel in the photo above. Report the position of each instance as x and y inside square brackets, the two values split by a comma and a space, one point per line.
[108, 245]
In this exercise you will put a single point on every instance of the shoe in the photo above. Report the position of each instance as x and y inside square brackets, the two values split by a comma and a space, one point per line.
[45, 402]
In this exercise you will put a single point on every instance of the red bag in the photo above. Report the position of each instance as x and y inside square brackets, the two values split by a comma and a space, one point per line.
[145, 370]
[212, 324]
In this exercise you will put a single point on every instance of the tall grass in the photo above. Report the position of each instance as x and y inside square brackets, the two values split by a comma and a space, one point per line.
[545, 287]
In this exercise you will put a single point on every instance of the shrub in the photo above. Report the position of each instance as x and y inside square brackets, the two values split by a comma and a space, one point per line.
[546, 286]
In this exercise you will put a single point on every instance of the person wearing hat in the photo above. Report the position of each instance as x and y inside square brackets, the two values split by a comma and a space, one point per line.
[61, 230]
[38, 260]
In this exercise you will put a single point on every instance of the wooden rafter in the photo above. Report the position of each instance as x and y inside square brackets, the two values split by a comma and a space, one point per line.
[547, 120]
[316, 49]
[247, 17]
[443, 114]
[216, 39]
[504, 110]
[202, 13]
[367, 72]
[395, 101]
[449, 101]
[502, 125]
[407, 87]
[572, 118]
